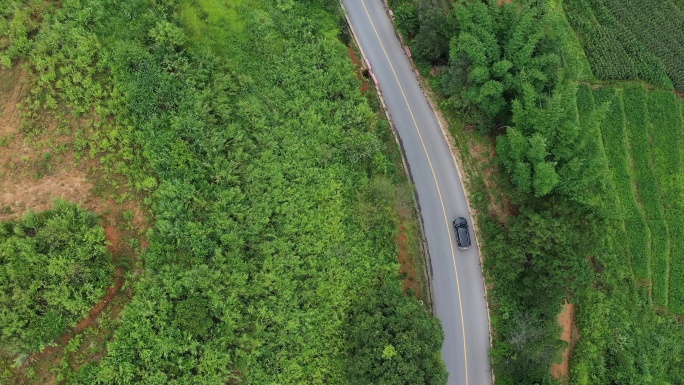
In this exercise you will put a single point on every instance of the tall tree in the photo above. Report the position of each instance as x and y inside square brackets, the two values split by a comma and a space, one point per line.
[394, 341]
[498, 54]
[431, 41]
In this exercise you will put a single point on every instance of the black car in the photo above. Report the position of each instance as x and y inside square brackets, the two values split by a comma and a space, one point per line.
[462, 235]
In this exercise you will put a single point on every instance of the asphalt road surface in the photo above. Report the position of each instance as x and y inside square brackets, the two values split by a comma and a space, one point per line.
[458, 289]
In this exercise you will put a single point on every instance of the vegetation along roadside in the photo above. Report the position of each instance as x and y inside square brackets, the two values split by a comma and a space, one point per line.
[566, 166]
[273, 199]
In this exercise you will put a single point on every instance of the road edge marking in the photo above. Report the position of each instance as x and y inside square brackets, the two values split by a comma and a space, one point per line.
[457, 162]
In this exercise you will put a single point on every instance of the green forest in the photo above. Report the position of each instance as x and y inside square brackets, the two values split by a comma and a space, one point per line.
[579, 98]
[267, 177]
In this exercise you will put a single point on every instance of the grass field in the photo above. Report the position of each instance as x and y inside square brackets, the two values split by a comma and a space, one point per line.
[641, 133]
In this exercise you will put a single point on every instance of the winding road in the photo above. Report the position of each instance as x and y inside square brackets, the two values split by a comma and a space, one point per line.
[457, 284]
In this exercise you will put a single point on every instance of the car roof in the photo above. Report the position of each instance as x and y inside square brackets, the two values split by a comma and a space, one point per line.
[463, 235]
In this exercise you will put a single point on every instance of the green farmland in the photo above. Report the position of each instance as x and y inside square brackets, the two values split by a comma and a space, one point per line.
[638, 39]
[641, 135]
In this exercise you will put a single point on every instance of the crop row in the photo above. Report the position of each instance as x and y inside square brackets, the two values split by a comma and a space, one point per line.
[676, 303]
[676, 221]
[659, 25]
[665, 130]
[615, 146]
[646, 188]
[615, 54]
[639, 39]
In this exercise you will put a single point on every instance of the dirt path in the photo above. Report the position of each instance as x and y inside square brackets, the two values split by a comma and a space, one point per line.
[53, 351]
[566, 320]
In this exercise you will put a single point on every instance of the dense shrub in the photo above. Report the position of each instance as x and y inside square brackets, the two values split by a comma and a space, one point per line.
[54, 266]
[271, 191]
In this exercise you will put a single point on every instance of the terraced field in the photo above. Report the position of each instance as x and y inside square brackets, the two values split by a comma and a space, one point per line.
[641, 132]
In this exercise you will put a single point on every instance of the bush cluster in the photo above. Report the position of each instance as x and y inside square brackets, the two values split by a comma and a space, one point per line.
[54, 266]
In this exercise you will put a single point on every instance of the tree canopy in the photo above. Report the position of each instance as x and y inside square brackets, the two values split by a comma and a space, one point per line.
[393, 341]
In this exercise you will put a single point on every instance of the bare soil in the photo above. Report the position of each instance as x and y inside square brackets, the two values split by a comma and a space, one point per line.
[34, 171]
[13, 87]
[566, 319]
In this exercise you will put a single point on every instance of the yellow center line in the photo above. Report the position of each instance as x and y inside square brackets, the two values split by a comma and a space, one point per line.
[439, 192]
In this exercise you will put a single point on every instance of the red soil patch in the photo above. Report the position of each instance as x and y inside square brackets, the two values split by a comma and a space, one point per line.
[566, 321]
[361, 67]
[113, 236]
[86, 322]
[406, 268]
[354, 58]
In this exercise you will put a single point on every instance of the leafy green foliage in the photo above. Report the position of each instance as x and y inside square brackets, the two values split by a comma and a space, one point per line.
[527, 349]
[547, 150]
[538, 258]
[55, 265]
[638, 39]
[393, 341]
[498, 54]
[406, 18]
[431, 39]
[643, 345]
[646, 188]
[193, 316]
[267, 181]
[17, 23]
[504, 70]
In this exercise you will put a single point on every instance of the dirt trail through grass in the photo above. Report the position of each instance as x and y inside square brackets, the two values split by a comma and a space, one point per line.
[35, 170]
[566, 321]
